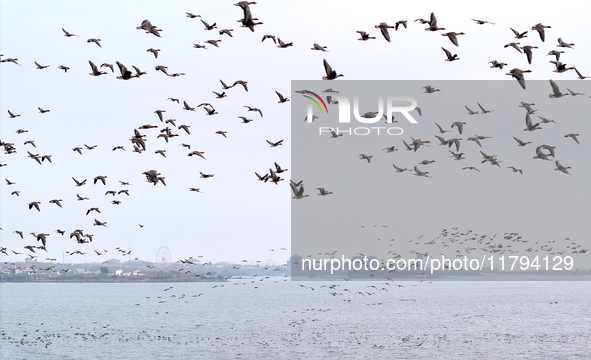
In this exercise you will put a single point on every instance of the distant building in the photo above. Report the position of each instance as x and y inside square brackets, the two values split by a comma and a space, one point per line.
[295, 261]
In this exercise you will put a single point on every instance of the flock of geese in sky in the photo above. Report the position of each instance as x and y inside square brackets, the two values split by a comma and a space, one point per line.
[163, 141]
[543, 151]
[169, 129]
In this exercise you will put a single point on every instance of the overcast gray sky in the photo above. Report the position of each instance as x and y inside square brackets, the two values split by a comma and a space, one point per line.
[236, 217]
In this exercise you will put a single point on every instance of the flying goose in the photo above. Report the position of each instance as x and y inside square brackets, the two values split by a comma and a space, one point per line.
[226, 31]
[272, 37]
[456, 156]
[32, 142]
[99, 223]
[198, 153]
[318, 47]
[263, 178]
[102, 178]
[496, 64]
[186, 128]
[41, 67]
[421, 173]
[11, 60]
[34, 204]
[68, 34]
[149, 28]
[162, 68]
[573, 93]
[519, 35]
[384, 29]
[330, 73]
[460, 126]
[213, 42]
[540, 29]
[207, 26]
[79, 183]
[514, 169]
[125, 74]
[515, 46]
[248, 21]
[400, 22]
[283, 45]
[452, 37]
[563, 44]
[518, 75]
[93, 209]
[298, 193]
[556, 90]
[334, 135]
[138, 72]
[579, 74]
[433, 24]
[154, 51]
[12, 116]
[275, 144]
[574, 136]
[521, 143]
[441, 129]
[365, 36]
[484, 111]
[399, 169]
[254, 109]
[528, 124]
[224, 86]
[470, 111]
[56, 201]
[282, 99]
[96, 41]
[560, 67]
[243, 83]
[95, 71]
[278, 168]
[562, 168]
[187, 107]
[365, 157]
[527, 49]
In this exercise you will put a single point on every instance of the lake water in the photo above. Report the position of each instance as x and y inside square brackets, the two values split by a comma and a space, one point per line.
[277, 319]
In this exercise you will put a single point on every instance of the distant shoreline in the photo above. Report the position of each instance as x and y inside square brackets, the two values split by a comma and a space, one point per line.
[106, 280]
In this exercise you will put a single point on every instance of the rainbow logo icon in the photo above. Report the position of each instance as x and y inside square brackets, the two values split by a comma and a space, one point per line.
[304, 94]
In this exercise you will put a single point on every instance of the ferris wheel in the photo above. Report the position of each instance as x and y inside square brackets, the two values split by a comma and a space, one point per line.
[163, 257]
